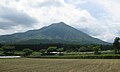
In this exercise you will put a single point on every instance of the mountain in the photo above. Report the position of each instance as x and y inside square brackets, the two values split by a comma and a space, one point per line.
[54, 33]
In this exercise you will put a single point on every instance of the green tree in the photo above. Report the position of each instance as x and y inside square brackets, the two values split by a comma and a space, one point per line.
[82, 49]
[42, 51]
[27, 52]
[51, 49]
[96, 49]
[8, 50]
[116, 45]
[90, 48]
[60, 50]
[1, 49]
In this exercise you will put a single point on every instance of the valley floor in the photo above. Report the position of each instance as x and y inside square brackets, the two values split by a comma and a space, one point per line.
[59, 65]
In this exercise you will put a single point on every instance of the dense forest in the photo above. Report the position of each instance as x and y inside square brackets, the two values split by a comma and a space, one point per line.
[70, 47]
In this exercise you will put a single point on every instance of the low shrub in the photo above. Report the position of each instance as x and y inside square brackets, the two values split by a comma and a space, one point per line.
[79, 57]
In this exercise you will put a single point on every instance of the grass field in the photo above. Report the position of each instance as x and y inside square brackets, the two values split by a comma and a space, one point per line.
[59, 65]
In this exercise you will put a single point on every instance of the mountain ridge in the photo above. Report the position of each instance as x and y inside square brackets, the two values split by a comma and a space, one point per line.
[56, 31]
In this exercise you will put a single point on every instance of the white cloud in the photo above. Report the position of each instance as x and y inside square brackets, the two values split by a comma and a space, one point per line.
[111, 7]
[110, 21]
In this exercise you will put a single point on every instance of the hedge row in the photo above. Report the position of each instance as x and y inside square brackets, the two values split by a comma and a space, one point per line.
[77, 57]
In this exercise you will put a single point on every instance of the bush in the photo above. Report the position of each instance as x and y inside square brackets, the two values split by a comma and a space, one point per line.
[60, 49]
[27, 52]
[42, 51]
[1, 49]
[80, 57]
[8, 50]
[51, 49]
[96, 49]
[85, 48]
[82, 49]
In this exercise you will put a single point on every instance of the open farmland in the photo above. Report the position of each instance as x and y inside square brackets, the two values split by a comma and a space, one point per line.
[59, 65]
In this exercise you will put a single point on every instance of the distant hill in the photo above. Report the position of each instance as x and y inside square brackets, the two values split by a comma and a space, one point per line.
[54, 33]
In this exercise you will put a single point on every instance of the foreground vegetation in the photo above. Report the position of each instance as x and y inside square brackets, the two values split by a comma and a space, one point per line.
[65, 51]
[59, 65]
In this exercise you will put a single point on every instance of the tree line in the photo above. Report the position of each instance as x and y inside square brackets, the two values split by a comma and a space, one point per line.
[67, 47]
[46, 49]
[10, 50]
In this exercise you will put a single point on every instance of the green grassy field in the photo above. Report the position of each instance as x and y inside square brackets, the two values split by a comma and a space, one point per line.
[59, 65]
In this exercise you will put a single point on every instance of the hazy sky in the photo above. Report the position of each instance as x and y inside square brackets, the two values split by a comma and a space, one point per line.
[98, 18]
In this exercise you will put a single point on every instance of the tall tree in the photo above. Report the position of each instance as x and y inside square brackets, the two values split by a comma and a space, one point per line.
[116, 45]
